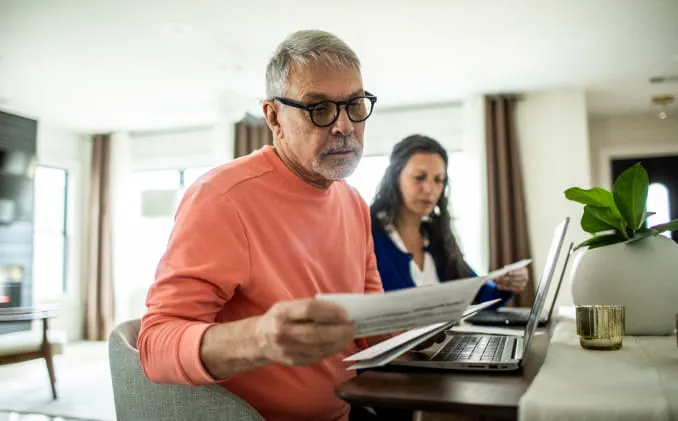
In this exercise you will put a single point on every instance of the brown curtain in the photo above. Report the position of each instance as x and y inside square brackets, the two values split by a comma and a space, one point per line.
[251, 133]
[98, 284]
[509, 239]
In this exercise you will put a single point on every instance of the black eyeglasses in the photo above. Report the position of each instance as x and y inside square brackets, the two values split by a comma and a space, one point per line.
[325, 113]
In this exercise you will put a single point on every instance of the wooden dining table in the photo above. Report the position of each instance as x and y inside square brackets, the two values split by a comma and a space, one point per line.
[470, 395]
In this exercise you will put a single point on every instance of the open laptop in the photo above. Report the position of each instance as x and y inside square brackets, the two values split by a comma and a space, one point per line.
[518, 316]
[491, 352]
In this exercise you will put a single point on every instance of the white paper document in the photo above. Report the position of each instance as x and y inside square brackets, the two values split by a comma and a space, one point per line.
[405, 309]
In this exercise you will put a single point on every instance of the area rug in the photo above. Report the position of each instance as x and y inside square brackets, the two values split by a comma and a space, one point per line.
[83, 385]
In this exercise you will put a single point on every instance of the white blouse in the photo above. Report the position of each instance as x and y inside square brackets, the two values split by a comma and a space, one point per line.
[425, 276]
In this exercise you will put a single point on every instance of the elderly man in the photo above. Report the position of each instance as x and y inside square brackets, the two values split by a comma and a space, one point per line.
[256, 239]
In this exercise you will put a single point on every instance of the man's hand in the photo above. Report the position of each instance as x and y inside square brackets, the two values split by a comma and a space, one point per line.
[513, 281]
[303, 332]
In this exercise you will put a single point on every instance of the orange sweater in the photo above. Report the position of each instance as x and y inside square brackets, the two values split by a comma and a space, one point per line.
[247, 235]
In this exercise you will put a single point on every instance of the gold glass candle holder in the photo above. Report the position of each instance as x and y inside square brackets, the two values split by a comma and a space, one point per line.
[600, 327]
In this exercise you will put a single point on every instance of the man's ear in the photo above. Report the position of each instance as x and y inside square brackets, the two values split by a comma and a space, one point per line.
[271, 115]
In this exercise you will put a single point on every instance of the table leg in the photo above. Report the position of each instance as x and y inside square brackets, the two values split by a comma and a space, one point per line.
[47, 353]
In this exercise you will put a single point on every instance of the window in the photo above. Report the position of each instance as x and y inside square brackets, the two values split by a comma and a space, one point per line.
[191, 175]
[50, 236]
[658, 202]
[158, 193]
[367, 176]
[160, 190]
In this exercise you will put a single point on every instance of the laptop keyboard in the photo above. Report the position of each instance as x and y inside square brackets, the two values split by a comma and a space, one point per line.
[472, 348]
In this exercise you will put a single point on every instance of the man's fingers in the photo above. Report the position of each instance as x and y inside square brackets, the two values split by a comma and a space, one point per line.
[315, 310]
[293, 352]
[318, 334]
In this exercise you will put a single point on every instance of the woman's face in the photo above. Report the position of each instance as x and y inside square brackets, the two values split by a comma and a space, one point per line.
[421, 183]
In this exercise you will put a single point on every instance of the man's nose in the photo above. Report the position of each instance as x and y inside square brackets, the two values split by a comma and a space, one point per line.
[343, 126]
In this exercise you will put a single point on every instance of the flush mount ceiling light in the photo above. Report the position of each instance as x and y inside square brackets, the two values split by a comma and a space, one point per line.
[663, 102]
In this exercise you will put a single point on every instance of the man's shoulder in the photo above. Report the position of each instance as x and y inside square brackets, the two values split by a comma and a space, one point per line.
[223, 179]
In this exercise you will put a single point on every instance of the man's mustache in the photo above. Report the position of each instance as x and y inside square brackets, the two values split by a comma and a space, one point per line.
[347, 144]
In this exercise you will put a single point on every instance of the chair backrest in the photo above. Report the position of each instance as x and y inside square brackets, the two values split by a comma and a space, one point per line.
[137, 398]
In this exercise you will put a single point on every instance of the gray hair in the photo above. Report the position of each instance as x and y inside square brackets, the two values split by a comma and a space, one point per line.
[302, 48]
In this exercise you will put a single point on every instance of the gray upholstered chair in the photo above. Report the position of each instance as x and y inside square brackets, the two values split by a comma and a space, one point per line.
[136, 398]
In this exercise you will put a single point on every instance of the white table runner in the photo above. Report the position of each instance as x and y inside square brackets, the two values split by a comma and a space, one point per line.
[637, 382]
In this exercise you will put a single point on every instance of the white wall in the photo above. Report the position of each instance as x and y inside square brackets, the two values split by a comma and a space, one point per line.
[386, 127]
[123, 203]
[192, 147]
[59, 147]
[468, 177]
[554, 147]
[628, 136]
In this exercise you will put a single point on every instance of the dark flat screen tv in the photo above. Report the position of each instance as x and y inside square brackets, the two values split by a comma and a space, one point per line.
[18, 152]
[17, 168]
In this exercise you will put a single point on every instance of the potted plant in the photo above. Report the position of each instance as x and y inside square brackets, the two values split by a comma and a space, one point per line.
[626, 262]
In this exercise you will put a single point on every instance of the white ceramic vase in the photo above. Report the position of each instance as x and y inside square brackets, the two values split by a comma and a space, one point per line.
[642, 276]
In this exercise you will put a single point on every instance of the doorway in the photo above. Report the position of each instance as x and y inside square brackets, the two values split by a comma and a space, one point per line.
[663, 174]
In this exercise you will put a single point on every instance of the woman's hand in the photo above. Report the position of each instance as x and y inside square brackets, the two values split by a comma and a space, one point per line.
[514, 281]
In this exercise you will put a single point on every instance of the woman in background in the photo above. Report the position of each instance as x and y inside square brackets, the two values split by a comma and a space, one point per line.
[411, 225]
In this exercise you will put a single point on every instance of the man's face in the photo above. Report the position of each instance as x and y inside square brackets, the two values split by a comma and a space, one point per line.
[322, 153]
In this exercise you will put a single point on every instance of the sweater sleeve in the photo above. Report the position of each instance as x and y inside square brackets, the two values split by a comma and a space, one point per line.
[373, 282]
[207, 258]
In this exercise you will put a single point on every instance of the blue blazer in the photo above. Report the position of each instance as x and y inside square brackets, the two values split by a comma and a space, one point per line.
[394, 269]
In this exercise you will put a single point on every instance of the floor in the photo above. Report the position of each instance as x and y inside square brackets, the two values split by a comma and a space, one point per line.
[14, 416]
[83, 385]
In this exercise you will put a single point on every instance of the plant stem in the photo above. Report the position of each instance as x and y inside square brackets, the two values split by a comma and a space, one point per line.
[626, 235]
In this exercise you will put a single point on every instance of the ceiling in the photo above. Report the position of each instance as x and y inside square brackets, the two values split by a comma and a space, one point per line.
[95, 65]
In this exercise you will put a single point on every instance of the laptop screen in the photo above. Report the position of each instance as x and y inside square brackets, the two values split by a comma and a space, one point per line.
[545, 281]
[568, 254]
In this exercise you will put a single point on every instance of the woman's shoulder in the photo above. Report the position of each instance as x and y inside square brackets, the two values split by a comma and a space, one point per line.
[380, 236]
[378, 222]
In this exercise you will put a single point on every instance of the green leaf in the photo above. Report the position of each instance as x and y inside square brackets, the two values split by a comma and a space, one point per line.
[669, 226]
[600, 241]
[596, 219]
[608, 217]
[596, 196]
[644, 233]
[630, 195]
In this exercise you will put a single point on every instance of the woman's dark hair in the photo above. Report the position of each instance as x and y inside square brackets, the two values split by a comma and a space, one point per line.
[388, 200]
